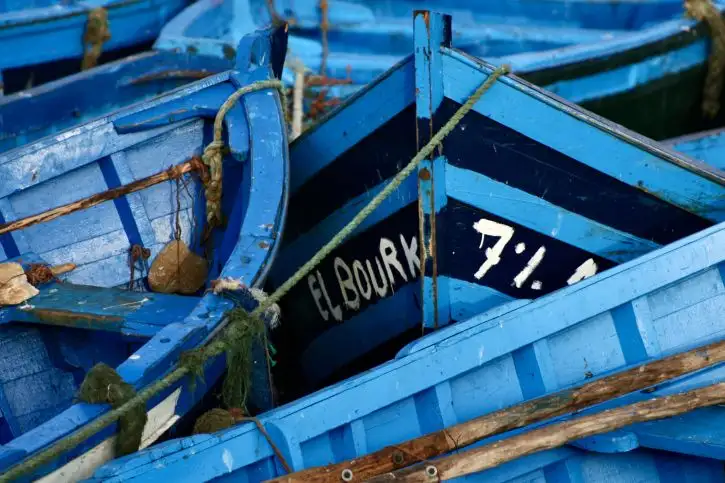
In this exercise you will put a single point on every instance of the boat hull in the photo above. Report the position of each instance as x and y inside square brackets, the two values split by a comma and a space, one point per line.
[109, 309]
[516, 203]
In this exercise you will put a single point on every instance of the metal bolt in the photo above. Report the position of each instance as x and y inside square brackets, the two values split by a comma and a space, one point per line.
[346, 475]
[431, 471]
[398, 458]
[424, 174]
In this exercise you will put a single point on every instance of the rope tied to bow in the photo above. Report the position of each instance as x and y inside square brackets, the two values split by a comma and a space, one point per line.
[218, 345]
[704, 10]
[213, 153]
[96, 34]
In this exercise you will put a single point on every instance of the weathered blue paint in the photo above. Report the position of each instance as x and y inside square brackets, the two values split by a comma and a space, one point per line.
[605, 54]
[34, 113]
[520, 207]
[668, 300]
[141, 333]
[708, 146]
[37, 32]
[547, 42]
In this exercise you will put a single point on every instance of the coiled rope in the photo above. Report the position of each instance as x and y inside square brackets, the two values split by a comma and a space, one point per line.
[219, 344]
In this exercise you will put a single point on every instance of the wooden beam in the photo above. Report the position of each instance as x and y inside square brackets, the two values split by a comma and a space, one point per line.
[464, 434]
[194, 164]
[550, 437]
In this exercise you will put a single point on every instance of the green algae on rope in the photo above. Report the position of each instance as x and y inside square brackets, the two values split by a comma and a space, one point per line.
[102, 385]
[218, 345]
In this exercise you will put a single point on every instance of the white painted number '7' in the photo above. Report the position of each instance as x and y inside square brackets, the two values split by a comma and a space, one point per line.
[493, 254]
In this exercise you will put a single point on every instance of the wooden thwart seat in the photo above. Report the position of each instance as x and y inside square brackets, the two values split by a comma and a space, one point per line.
[140, 314]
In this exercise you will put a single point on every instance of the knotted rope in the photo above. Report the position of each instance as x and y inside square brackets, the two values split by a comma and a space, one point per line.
[103, 385]
[39, 274]
[97, 33]
[137, 253]
[218, 345]
[213, 153]
[705, 10]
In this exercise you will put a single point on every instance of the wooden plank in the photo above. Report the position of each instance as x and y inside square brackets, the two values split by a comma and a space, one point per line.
[518, 416]
[431, 31]
[140, 314]
[554, 436]
[93, 200]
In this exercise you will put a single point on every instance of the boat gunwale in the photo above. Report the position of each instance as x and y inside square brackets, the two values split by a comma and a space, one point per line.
[445, 337]
[46, 14]
[631, 137]
[199, 329]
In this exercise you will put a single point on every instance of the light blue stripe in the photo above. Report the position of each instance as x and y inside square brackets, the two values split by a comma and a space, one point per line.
[629, 77]
[320, 146]
[591, 142]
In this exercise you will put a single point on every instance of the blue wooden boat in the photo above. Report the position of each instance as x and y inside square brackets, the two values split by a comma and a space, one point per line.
[62, 104]
[539, 42]
[521, 203]
[664, 302]
[111, 307]
[617, 59]
[43, 31]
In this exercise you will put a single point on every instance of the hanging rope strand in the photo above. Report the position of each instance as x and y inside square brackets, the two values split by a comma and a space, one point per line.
[97, 33]
[704, 10]
[219, 344]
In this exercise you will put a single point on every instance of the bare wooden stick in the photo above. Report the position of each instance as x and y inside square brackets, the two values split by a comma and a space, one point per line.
[93, 200]
[549, 437]
[530, 412]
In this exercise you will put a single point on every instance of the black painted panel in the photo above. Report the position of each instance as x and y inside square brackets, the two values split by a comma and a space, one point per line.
[483, 145]
[461, 253]
[378, 156]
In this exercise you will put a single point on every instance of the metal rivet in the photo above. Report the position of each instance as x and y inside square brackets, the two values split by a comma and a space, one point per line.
[431, 471]
[398, 458]
[424, 174]
[346, 475]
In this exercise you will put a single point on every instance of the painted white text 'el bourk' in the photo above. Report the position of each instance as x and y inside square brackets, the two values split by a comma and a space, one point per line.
[376, 278]
[365, 279]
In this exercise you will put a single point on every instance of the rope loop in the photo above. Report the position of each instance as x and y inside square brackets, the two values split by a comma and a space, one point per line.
[213, 153]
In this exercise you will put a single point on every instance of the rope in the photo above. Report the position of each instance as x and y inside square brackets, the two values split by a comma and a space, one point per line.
[269, 439]
[705, 10]
[97, 33]
[136, 253]
[212, 156]
[219, 344]
[103, 385]
[39, 273]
